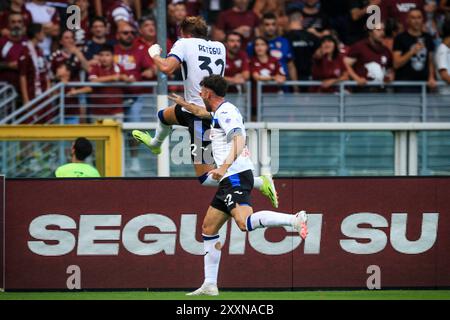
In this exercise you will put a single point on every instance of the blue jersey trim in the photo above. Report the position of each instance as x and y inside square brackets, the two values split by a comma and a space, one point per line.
[177, 57]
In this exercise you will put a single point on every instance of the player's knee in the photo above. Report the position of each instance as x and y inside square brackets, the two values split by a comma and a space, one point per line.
[208, 229]
[162, 118]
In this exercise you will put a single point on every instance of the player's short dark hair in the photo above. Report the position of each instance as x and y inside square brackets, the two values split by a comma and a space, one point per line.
[233, 33]
[33, 30]
[269, 16]
[99, 19]
[83, 148]
[216, 83]
[194, 26]
[106, 48]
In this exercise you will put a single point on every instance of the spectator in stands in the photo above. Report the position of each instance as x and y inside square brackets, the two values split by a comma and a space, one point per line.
[314, 20]
[237, 69]
[12, 47]
[303, 44]
[78, 168]
[239, 19]
[192, 6]
[399, 10]
[277, 7]
[33, 69]
[147, 37]
[108, 102]
[369, 60]
[264, 67]
[119, 13]
[176, 15]
[280, 48]
[98, 31]
[328, 65]
[358, 19]
[70, 55]
[443, 59]
[74, 112]
[136, 63]
[48, 17]
[147, 33]
[413, 53]
[16, 6]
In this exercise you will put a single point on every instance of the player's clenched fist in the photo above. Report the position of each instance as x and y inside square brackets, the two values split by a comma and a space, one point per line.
[154, 50]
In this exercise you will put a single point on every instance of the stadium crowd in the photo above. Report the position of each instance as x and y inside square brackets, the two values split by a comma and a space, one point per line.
[266, 40]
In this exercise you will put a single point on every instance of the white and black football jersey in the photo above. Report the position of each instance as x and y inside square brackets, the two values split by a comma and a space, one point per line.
[227, 120]
[199, 58]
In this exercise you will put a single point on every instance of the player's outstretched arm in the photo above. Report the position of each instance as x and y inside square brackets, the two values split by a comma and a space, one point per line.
[167, 65]
[237, 146]
[196, 110]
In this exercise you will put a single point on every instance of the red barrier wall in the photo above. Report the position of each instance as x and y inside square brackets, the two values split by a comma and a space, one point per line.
[399, 224]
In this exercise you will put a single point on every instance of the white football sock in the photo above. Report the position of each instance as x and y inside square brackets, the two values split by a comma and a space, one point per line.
[258, 183]
[162, 131]
[266, 219]
[208, 181]
[211, 258]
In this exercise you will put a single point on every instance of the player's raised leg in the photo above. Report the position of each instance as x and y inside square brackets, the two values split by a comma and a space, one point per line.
[166, 118]
[212, 244]
[267, 219]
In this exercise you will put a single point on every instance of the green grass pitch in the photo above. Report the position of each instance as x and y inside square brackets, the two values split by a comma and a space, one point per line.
[235, 295]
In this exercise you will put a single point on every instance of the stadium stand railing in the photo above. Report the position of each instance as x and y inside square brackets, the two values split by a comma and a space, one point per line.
[369, 136]
[8, 98]
[400, 101]
[55, 106]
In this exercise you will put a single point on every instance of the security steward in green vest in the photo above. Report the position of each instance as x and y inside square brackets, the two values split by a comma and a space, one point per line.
[81, 149]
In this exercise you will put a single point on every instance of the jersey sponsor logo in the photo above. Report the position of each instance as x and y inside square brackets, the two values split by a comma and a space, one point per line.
[362, 233]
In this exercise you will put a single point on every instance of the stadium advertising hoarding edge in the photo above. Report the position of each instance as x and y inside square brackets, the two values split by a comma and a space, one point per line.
[147, 234]
[2, 225]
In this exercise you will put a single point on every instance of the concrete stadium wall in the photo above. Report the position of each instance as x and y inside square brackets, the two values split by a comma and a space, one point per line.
[146, 233]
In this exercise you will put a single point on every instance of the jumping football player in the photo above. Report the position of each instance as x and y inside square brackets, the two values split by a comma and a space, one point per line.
[197, 57]
[234, 171]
